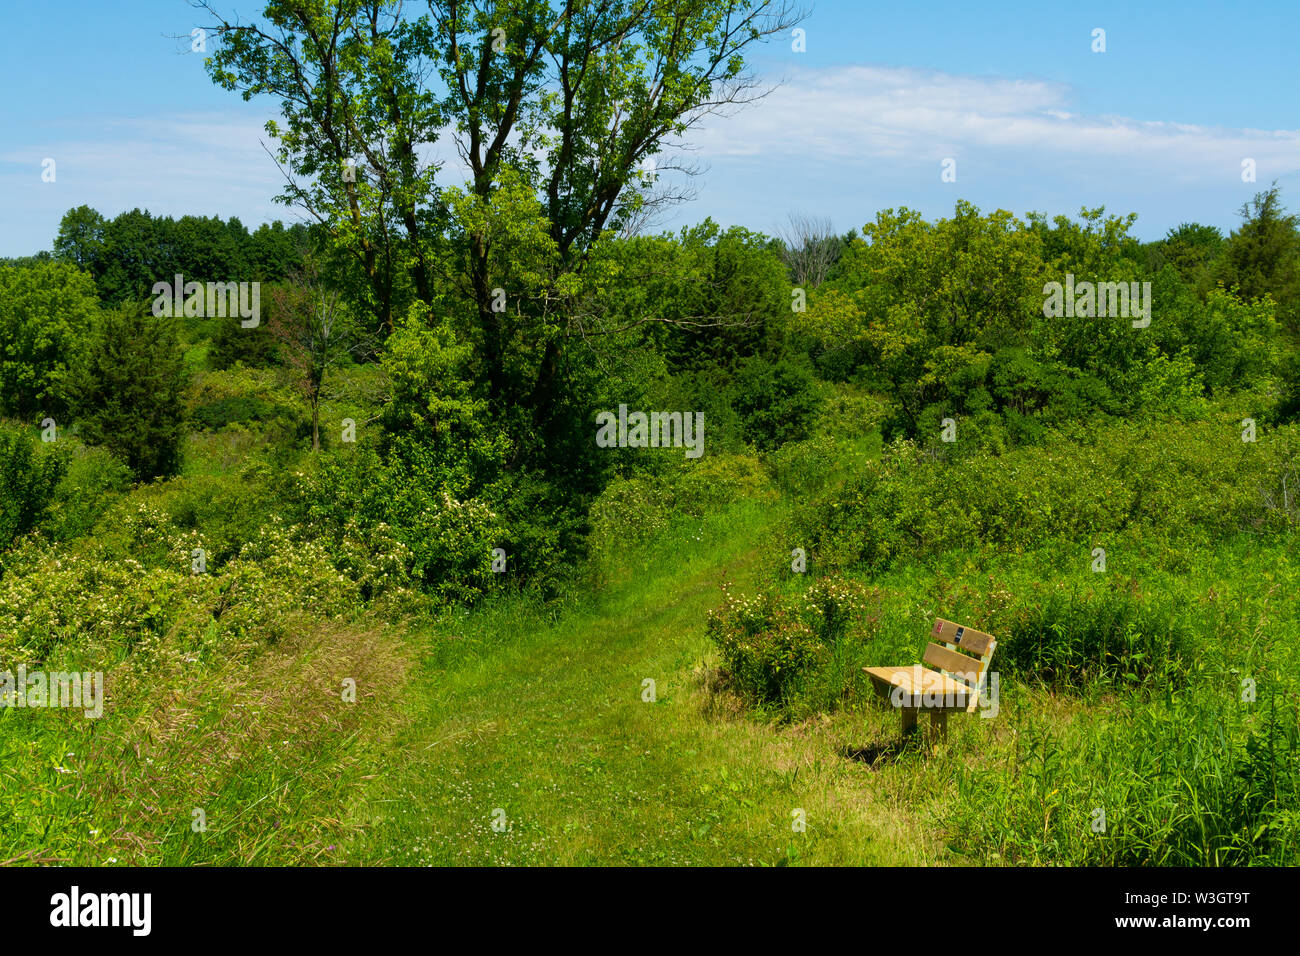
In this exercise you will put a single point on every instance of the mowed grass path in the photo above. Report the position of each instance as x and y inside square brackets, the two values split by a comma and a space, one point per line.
[539, 726]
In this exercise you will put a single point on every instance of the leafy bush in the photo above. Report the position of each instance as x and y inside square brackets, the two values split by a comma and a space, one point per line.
[802, 468]
[233, 345]
[137, 596]
[27, 484]
[446, 542]
[1230, 342]
[1112, 633]
[226, 411]
[776, 401]
[93, 481]
[771, 644]
[632, 510]
[1187, 480]
[45, 310]
[1287, 408]
[226, 511]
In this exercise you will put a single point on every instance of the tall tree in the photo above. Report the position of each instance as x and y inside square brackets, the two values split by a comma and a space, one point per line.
[555, 107]
[126, 390]
[81, 238]
[312, 327]
[1263, 255]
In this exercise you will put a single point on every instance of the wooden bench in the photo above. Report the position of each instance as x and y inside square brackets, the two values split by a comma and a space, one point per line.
[955, 682]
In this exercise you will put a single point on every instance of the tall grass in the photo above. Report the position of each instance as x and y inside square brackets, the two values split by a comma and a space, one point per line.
[1198, 778]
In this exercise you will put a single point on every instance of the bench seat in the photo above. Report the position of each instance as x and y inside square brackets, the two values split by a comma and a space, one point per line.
[918, 681]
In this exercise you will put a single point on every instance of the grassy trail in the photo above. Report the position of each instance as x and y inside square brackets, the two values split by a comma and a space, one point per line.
[542, 724]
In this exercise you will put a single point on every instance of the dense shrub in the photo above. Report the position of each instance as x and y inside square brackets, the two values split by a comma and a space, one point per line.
[1187, 480]
[93, 481]
[1071, 636]
[447, 541]
[226, 411]
[771, 644]
[127, 391]
[776, 401]
[1287, 408]
[45, 311]
[27, 484]
[951, 319]
[802, 468]
[633, 510]
[233, 345]
[136, 594]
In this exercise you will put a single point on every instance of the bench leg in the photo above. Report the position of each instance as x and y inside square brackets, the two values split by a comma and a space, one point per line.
[938, 725]
[909, 720]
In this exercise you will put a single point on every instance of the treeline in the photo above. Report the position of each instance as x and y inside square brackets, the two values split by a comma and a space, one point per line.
[127, 254]
[946, 321]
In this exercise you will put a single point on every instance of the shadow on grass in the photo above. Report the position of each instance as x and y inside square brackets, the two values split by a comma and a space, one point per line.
[873, 755]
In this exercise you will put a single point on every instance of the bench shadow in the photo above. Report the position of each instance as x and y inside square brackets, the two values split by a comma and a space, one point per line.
[873, 755]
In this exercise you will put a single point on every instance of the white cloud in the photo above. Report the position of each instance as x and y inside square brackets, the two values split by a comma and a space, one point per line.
[200, 164]
[875, 112]
[840, 122]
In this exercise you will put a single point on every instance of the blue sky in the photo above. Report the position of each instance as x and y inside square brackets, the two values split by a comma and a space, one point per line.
[863, 120]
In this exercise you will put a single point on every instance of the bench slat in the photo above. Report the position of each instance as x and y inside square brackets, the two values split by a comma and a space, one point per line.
[968, 639]
[961, 666]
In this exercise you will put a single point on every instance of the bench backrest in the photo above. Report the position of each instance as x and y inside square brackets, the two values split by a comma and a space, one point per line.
[964, 655]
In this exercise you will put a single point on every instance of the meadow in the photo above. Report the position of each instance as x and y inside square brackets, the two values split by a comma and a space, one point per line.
[1122, 690]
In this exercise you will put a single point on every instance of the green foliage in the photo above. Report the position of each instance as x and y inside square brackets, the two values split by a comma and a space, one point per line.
[80, 241]
[1193, 481]
[46, 309]
[127, 391]
[1111, 633]
[1287, 407]
[233, 409]
[1174, 387]
[126, 255]
[952, 319]
[434, 413]
[802, 468]
[1230, 343]
[447, 541]
[777, 402]
[27, 484]
[1189, 783]
[232, 345]
[771, 643]
[705, 298]
[93, 482]
[634, 510]
[513, 258]
[1192, 249]
[1262, 257]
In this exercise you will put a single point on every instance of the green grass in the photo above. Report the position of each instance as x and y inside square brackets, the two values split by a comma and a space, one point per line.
[1120, 691]
[544, 720]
